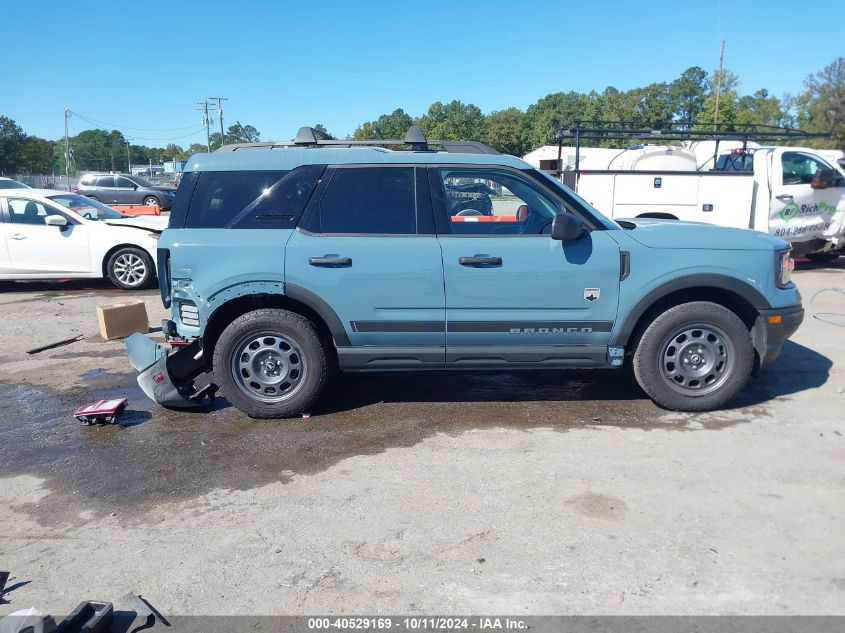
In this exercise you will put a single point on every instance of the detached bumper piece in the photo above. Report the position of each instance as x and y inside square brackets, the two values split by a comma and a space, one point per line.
[178, 379]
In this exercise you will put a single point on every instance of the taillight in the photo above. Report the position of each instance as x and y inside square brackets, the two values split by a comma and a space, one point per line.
[75, 188]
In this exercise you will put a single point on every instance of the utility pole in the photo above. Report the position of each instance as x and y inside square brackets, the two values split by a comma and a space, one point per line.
[719, 85]
[203, 107]
[67, 150]
[220, 101]
[128, 160]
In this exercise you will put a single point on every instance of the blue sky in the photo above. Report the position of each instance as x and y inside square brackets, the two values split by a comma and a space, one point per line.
[286, 64]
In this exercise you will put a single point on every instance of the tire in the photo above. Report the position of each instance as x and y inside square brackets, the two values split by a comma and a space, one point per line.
[94, 198]
[694, 357]
[271, 363]
[150, 201]
[823, 258]
[130, 268]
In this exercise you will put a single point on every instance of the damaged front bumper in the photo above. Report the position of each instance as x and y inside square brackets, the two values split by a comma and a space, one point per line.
[179, 379]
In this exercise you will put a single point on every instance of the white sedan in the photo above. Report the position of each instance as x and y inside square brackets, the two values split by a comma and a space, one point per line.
[49, 234]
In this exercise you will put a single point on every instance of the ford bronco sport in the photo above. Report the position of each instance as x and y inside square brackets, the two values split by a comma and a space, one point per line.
[283, 261]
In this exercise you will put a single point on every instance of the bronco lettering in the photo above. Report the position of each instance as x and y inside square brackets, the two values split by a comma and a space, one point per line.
[550, 330]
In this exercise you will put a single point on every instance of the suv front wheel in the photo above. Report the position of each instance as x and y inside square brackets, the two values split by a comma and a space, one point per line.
[271, 363]
[694, 357]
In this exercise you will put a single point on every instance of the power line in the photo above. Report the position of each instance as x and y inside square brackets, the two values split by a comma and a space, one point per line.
[99, 123]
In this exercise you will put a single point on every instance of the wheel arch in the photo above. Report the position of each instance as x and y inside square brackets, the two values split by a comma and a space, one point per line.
[656, 215]
[294, 299]
[741, 298]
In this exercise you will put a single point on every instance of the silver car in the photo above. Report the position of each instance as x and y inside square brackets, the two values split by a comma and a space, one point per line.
[124, 189]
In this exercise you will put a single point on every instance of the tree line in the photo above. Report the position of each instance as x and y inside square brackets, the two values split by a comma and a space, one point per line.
[689, 99]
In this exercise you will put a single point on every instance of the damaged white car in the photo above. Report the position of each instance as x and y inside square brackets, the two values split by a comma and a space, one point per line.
[49, 234]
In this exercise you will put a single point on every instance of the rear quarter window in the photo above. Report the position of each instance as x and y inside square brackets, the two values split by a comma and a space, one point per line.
[249, 199]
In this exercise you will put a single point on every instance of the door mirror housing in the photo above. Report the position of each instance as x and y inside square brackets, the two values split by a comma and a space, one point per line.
[567, 227]
[55, 220]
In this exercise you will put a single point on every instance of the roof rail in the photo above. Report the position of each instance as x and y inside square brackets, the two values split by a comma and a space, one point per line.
[415, 139]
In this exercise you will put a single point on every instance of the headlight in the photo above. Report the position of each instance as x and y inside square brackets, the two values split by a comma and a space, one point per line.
[783, 268]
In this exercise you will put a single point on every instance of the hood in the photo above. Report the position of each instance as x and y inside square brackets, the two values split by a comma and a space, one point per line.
[146, 222]
[656, 233]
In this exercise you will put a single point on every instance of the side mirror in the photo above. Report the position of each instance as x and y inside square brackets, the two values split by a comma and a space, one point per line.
[567, 227]
[55, 220]
[823, 179]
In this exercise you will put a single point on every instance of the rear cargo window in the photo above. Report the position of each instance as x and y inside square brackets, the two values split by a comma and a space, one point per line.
[251, 199]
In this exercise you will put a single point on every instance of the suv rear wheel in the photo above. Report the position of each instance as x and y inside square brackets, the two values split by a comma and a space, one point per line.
[271, 363]
[694, 357]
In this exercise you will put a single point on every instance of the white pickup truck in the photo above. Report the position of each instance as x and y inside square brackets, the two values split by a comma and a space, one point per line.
[790, 192]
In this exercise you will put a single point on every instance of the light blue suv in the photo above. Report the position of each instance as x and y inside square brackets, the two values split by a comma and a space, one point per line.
[285, 261]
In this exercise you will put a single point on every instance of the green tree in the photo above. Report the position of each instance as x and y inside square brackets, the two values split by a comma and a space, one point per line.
[506, 132]
[760, 109]
[687, 93]
[100, 150]
[36, 155]
[388, 126]
[455, 121]
[821, 107]
[11, 140]
[235, 134]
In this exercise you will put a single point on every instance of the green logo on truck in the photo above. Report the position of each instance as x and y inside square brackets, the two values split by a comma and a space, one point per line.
[789, 211]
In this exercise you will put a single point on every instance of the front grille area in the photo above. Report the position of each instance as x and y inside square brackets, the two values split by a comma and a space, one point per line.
[189, 314]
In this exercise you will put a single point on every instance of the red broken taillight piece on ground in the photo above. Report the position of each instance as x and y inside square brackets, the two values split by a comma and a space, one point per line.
[105, 411]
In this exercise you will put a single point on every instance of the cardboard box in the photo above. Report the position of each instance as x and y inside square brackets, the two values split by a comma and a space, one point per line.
[118, 320]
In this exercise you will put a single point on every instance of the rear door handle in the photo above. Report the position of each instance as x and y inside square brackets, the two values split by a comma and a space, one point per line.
[330, 262]
[785, 196]
[480, 261]
[18, 236]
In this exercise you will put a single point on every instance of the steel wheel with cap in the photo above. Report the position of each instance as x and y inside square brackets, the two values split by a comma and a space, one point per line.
[694, 357]
[271, 363]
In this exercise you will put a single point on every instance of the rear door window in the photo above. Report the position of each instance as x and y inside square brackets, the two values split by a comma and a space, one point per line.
[105, 181]
[371, 200]
[251, 199]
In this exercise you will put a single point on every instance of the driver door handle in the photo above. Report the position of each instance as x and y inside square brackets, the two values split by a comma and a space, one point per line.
[480, 261]
[18, 236]
[331, 262]
[785, 196]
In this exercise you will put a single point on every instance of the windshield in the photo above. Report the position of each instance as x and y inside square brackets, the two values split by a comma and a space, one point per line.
[86, 207]
[141, 182]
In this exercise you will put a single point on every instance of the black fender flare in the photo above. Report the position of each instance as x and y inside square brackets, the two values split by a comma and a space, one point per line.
[323, 310]
[698, 280]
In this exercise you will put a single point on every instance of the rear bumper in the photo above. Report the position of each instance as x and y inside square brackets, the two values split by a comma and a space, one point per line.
[773, 328]
[177, 380]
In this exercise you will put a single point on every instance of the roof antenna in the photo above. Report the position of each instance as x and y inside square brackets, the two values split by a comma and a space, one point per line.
[305, 136]
[416, 139]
